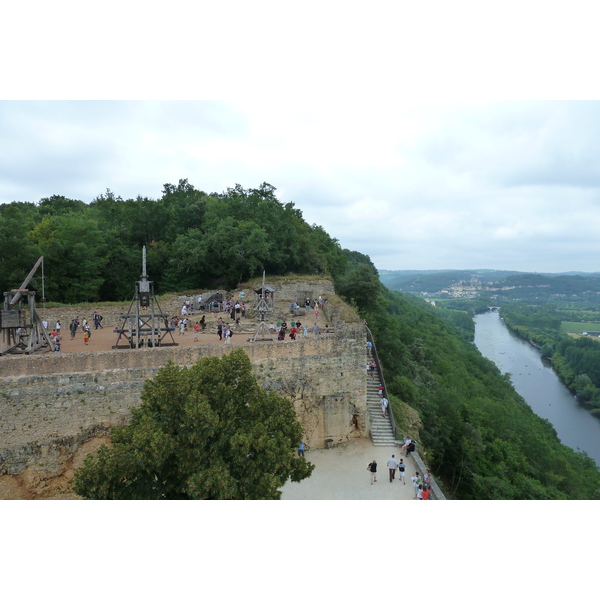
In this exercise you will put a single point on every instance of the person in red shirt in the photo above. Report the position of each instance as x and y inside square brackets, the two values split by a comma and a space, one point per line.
[425, 493]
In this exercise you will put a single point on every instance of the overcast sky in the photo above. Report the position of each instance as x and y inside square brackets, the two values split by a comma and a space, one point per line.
[336, 113]
[507, 185]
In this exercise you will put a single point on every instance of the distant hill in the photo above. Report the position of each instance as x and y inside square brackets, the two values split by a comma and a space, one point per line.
[433, 282]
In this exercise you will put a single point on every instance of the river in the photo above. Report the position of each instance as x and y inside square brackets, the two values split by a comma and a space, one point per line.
[538, 384]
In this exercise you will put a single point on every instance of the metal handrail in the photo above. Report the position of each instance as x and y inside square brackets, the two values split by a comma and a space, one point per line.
[381, 378]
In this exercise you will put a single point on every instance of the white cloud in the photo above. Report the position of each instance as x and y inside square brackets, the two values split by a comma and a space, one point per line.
[413, 185]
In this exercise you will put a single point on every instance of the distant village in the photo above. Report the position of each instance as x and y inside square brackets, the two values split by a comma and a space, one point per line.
[469, 289]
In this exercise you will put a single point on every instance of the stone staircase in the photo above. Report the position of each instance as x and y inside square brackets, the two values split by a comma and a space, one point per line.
[381, 429]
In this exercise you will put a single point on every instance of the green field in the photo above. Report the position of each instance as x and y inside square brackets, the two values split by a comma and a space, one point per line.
[579, 326]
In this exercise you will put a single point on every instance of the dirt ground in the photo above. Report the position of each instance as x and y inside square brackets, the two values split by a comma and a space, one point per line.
[105, 338]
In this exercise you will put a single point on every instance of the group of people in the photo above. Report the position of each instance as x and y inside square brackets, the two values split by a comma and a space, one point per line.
[421, 485]
[372, 369]
[216, 306]
[409, 446]
[76, 324]
[296, 328]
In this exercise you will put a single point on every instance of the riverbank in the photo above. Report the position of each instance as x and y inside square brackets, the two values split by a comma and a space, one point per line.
[538, 384]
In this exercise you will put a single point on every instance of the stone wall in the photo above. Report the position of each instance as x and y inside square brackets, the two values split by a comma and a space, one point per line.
[54, 405]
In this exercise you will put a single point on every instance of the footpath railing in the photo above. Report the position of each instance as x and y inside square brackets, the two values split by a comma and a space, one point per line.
[436, 492]
[375, 357]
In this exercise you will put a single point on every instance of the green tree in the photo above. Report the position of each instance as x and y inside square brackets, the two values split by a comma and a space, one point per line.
[207, 432]
[74, 251]
[361, 286]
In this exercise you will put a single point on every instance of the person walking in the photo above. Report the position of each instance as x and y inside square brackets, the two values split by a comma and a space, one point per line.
[301, 448]
[196, 331]
[392, 465]
[373, 468]
[402, 471]
[384, 405]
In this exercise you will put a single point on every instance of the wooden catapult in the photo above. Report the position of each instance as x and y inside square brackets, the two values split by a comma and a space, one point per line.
[263, 308]
[145, 325]
[22, 328]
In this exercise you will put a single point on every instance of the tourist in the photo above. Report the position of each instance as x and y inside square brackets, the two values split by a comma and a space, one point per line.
[369, 348]
[384, 405]
[196, 331]
[373, 468]
[97, 321]
[402, 471]
[427, 478]
[416, 481]
[301, 448]
[315, 329]
[406, 445]
[45, 324]
[420, 492]
[425, 493]
[86, 336]
[392, 464]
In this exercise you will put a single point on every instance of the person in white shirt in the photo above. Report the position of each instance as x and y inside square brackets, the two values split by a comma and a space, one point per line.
[392, 465]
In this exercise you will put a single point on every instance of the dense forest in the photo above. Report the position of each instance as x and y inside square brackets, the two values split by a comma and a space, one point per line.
[92, 252]
[480, 437]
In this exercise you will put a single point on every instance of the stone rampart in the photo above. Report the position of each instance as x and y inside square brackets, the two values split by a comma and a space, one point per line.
[51, 404]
